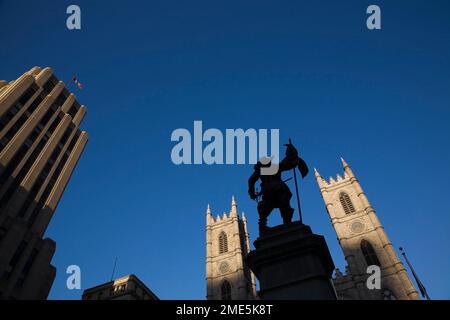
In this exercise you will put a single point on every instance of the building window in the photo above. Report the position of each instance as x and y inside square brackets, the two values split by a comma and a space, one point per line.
[388, 295]
[346, 203]
[74, 109]
[49, 85]
[369, 253]
[223, 243]
[226, 290]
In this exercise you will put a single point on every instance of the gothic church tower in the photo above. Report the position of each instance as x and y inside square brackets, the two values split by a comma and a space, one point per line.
[363, 241]
[227, 244]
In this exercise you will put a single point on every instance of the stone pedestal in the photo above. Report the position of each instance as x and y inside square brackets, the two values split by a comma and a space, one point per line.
[291, 262]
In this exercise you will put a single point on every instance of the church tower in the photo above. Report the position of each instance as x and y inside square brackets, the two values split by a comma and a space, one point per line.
[227, 244]
[363, 241]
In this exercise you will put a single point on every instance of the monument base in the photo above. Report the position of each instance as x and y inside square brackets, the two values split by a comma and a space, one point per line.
[292, 263]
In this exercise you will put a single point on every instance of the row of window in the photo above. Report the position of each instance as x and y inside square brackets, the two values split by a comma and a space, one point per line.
[53, 180]
[25, 168]
[21, 152]
[9, 115]
[14, 109]
[33, 106]
[27, 144]
[17, 106]
[43, 176]
[49, 85]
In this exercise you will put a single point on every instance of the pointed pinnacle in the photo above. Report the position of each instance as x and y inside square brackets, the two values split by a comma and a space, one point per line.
[344, 163]
[316, 173]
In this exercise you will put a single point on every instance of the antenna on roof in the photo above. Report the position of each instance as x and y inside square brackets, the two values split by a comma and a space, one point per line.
[114, 269]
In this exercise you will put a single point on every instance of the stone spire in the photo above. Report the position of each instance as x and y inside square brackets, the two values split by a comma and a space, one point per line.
[209, 216]
[233, 212]
[319, 178]
[347, 170]
[316, 173]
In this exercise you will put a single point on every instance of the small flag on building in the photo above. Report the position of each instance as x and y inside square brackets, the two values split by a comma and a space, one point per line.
[78, 83]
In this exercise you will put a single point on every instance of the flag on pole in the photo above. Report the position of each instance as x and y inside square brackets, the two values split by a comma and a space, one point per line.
[77, 82]
[422, 289]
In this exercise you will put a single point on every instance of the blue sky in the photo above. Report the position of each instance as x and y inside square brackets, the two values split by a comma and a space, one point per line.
[312, 69]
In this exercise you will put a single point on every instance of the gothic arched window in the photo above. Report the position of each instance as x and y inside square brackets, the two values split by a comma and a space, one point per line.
[223, 243]
[346, 203]
[226, 290]
[369, 253]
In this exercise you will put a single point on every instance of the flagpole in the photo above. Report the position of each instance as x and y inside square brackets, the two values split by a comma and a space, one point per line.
[296, 191]
[422, 289]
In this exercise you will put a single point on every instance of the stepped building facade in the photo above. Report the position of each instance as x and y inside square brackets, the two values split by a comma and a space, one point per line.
[40, 144]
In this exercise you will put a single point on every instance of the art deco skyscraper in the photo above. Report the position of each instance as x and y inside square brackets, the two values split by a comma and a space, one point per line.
[40, 144]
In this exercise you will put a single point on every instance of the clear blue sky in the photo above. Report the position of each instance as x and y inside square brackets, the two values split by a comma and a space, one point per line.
[310, 68]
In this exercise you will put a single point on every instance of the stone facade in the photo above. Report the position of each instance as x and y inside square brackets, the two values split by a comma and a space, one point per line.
[363, 241]
[40, 145]
[227, 244]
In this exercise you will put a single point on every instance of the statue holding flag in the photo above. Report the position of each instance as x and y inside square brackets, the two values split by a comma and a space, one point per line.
[279, 251]
[274, 191]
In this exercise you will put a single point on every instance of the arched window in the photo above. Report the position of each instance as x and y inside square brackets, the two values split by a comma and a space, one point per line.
[388, 295]
[226, 290]
[223, 243]
[346, 203]
[369, 253]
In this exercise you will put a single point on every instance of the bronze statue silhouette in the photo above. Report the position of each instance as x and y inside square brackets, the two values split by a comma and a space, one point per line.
[274, 191]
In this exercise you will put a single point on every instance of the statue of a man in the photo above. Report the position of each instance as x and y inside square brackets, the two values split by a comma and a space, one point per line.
[274, 191]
